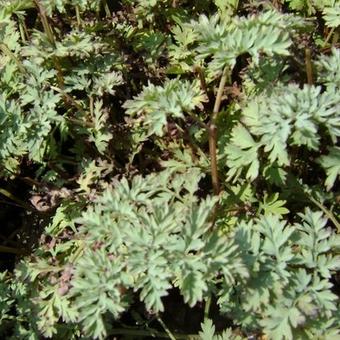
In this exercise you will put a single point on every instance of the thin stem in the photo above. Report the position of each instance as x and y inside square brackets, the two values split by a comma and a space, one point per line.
[150, 333]
[9, 195]
[203, 83]
[30, 181]
[207, 307]
[213, 158]
[91, 105]
[11, 250]
[219, 95]
[202, 79]
[330, 33]
[327, 212]
[199, 122]
[335, 38]
[22, 31]
[107, 9]
[10, 203]
[213, 137]
[78, 16]
[7, 240]
[11, 236]
[60, 76]
[50, 36]
[236, 6]
[44, 21]
[213, 133]
[69, 100]
[10, 54]
[78, 252]
[167, 330]
[309, 70]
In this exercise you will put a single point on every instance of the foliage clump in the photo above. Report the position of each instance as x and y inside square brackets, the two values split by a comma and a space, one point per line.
[163, 156]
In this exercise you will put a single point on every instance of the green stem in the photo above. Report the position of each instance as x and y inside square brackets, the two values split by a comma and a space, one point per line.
[150, 333]
[70, 101]
[327, 212]
[329, 36]
[78, 252]
[335, 38]
[199, 122]
[199, 71]
[44, 21]
[78, 17]
[22, 31]
[11, 250]
[207, 307]
[10, 54]
[50, 36]
[91, 105]
[309, 70]
[236, 6]
[10, 203]
[9, 195]
[107, 9]
[6, 240]
[213, 158]
[167, 330]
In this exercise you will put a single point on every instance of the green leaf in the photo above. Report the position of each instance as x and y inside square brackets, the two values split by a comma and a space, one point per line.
[272, 205]
[331, 15]
[152, 107]
[242, 152]
[277, 325]
[331, 163]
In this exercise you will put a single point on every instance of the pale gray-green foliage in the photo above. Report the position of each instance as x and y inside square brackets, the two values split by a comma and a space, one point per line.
[331, 164]
[264, 264]
[328, 67]
[62, 5]
[145, 9]
[27, 125]
[288, 116]
[226, 7]
[152, 238]
[150, 235]
[146, 235]
[281, 294]
[28, 133]
[330, 9]
[8, 7]
[208, 332]
[155, 104]
[5, 297]
[331, 15]
[311, 6]
[224, 39]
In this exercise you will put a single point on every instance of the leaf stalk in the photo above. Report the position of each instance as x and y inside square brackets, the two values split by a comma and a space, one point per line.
[165, 327]
[327, 212]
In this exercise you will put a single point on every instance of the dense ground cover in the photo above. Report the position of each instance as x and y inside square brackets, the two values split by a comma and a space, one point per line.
[169, 169]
